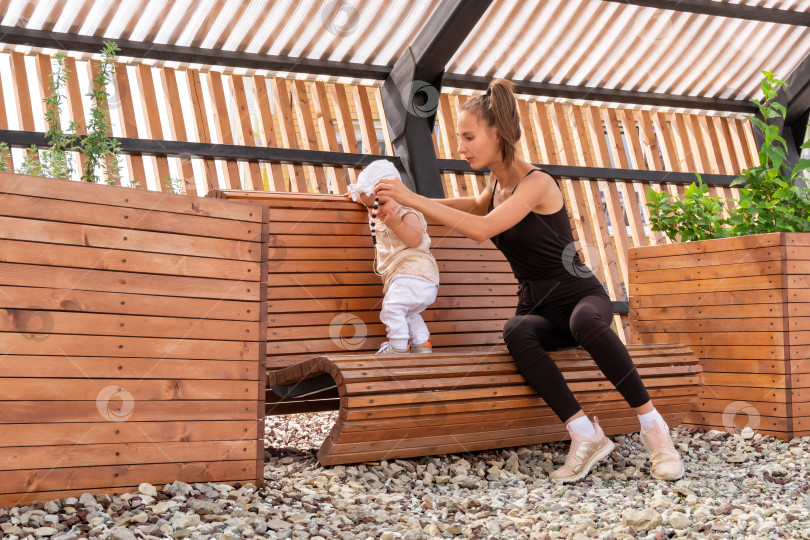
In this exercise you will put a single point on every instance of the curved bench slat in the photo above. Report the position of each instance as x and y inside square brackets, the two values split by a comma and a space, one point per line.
[394, 406]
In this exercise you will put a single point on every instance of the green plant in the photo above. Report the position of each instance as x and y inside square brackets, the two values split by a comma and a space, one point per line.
[5, 158]
[99, 148]
[172, 185]
[695, 217]
[57, 160]
[769, 201]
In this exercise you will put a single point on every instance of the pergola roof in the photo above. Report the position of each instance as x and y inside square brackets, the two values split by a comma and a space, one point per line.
[570, 49]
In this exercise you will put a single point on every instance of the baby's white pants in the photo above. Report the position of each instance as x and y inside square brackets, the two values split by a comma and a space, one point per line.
[407, 297]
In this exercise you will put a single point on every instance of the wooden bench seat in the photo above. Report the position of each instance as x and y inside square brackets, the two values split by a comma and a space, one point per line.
[324, 327]
[397, 406]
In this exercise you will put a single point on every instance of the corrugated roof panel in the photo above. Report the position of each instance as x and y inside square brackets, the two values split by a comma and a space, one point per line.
[274, 19]
[593, 43]
[196, 18]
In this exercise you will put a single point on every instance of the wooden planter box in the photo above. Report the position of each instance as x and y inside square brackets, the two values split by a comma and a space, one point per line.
[743, 306]
[133, 339]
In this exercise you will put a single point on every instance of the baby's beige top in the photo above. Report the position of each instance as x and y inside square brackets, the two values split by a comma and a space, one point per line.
[394, 257]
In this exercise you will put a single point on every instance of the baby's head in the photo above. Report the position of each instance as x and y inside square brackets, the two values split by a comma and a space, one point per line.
[363, 190]
[365, 200]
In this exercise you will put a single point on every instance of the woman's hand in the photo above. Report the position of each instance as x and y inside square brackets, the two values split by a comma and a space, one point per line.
[393, 188]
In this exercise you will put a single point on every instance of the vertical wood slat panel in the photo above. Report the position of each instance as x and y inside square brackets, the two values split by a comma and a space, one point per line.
[44, 75]
[281, 96]
[686, 158]
[389, 147]
[697, 143]
[715, 155]
[209, 168]
[669, 153]
[345, 126]
[739, 136]
[458, 185]
[177, 126]
[729, 159]
[94, 68]
[154, 130]
[602, 155]
[326, 128]
[654, 162]
[629, 189]
[22, 95]
[126, 117]
[712, 148]
[247, 138]
[267, 131]
[371, 144]
[308, 136]
[545, 135]
[223, 127]
[9, 162]
[528, 145]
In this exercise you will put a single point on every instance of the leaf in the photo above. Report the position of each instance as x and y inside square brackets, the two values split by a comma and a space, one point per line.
[802, 165]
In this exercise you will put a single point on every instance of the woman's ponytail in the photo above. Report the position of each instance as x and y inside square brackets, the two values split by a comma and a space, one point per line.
[498, 108]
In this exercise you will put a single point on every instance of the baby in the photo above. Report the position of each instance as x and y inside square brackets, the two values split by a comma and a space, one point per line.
[403, 260]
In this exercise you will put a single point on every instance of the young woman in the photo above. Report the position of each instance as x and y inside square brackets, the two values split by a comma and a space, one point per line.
[560, 302]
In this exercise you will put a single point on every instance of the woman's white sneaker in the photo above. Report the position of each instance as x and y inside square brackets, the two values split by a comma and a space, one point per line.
[585, 452]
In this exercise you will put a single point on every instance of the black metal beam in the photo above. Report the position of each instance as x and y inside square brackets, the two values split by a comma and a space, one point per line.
[192, 55]
[606, 94]
[608, 174]
[410, 94]
[795, 95]
[183, 150]
[727, 9]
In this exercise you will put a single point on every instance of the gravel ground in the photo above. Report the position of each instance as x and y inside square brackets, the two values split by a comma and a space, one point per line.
[736, 486]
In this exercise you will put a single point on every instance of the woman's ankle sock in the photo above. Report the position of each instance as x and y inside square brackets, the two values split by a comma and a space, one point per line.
[649, 419]
[582, 425]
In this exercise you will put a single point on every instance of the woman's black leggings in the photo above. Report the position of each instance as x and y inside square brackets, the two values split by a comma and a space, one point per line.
[529, 336]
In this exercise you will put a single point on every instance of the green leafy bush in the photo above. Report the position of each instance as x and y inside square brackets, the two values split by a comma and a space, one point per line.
[769, 200]
[100, 150]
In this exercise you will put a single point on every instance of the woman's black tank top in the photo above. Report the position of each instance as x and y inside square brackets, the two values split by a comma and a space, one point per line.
[540, 249]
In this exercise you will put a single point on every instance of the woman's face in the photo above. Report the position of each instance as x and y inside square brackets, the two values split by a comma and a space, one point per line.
[477, 141]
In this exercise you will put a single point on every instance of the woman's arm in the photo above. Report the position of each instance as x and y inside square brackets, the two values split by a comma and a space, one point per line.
[472, 205]
[532, 191]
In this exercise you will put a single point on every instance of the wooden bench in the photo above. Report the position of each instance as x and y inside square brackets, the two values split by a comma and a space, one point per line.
[323, 325]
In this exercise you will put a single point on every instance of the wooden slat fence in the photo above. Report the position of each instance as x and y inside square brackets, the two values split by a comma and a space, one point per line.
[254, 110]
[134, 333]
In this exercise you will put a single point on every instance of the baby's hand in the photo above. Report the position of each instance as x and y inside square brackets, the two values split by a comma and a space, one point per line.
[387, 211]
